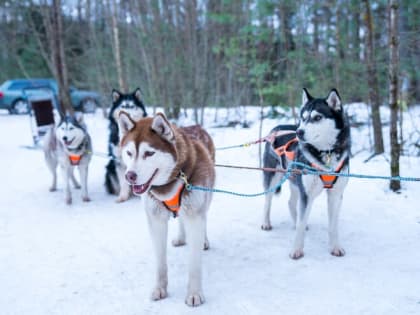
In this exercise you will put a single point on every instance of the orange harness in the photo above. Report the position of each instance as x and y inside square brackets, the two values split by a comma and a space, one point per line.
[74, 159]
[329, 180]
[284, 150]
[173, 204]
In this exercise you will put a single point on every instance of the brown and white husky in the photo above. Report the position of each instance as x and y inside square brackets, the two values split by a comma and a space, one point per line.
[160, 159]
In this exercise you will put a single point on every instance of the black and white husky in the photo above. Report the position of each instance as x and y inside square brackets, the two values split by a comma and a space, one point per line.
[322, 142]
[132, 104]
[69, 145]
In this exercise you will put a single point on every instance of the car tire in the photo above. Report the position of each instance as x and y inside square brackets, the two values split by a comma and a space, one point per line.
[20, 107]
[88, 105]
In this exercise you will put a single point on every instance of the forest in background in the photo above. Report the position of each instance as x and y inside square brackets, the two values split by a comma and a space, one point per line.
[216, 52]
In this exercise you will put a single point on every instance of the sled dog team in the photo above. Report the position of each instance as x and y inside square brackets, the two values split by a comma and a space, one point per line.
[151, 157]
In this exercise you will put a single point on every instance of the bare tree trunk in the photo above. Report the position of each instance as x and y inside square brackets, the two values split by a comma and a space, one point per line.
[374, 100]
[393, 92]
[117, 49]
[59, 58]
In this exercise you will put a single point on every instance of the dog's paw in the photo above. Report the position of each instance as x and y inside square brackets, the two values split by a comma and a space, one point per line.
[206, 245]
[86, 199]
[176, 242]
[121, 199]
[69, 200]
[266, 227]
[297, 254]
[306, 229]
[194, 299]
[338, 251]
[159, 294]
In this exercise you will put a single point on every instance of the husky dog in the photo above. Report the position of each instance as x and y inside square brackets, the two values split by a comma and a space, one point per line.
[323, 142]
[161, 158]
[115, 170]
[69, 145]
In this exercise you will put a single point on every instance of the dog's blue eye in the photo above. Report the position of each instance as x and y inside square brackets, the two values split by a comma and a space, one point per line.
[129, 153]
[317, 118]
[71, 128]
[148, 154]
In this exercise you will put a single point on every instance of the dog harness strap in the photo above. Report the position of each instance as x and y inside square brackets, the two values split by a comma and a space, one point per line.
[329, 180]
[74, 159]
[173, 204]
[283, 150]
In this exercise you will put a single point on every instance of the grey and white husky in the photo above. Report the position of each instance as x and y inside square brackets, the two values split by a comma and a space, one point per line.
[69, 145]
[322, 141]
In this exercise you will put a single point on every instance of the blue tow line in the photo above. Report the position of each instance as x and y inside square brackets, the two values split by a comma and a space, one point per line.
[308, 170]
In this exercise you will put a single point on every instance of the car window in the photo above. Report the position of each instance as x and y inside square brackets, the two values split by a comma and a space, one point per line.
[19, 85]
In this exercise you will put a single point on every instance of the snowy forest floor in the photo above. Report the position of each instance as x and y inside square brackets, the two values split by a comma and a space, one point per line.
[97, 257]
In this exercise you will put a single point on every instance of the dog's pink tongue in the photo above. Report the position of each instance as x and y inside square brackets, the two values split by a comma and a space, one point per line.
[139, 189]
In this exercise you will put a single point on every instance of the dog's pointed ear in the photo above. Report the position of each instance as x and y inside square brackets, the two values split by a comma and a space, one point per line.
[138, 95]
[333, 100]
[79, 117]
[115, 95]
[125, 123]
[163, 128]
[61, 116]
[306, 97]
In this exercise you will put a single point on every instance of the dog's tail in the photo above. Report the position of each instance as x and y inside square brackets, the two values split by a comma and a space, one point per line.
[111, 178]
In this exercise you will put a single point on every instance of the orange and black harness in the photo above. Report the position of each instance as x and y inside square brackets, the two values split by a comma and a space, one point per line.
[173, 204]
[75, 159]
[327, 180]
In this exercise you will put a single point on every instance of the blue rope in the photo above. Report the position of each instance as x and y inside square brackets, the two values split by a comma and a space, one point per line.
[278, 186]
[312, 171]
[248, 144]
[309, 170]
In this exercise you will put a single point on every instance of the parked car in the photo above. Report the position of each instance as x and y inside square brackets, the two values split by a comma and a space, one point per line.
[14, 94]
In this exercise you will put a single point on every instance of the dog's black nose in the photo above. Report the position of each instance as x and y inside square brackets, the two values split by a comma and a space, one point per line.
[300, 133]
[65, 139]
[131, 177]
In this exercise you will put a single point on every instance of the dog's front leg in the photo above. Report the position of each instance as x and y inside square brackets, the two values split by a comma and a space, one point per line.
[304, 210]
[293, 200]
[67, 172]
[84, 178]
[335, 199]
[124, 187]
[158, 226]
[195, 228]
[180, 239]
[75, 182]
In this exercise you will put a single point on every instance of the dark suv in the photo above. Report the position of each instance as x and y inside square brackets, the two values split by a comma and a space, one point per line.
[14, 95]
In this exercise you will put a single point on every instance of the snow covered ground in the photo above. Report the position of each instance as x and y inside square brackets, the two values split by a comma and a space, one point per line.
[97, 258]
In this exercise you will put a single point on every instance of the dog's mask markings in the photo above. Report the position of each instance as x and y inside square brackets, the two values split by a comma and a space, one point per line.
[152, 167]
[69, 134]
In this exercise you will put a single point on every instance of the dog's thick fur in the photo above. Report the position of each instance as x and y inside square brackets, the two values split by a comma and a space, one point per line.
[155, 153]
[323, 140]
[69, 137]
[115, 170]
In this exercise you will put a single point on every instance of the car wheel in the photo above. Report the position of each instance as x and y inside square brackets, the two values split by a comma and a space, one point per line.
[20, 107]
[88, 105]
